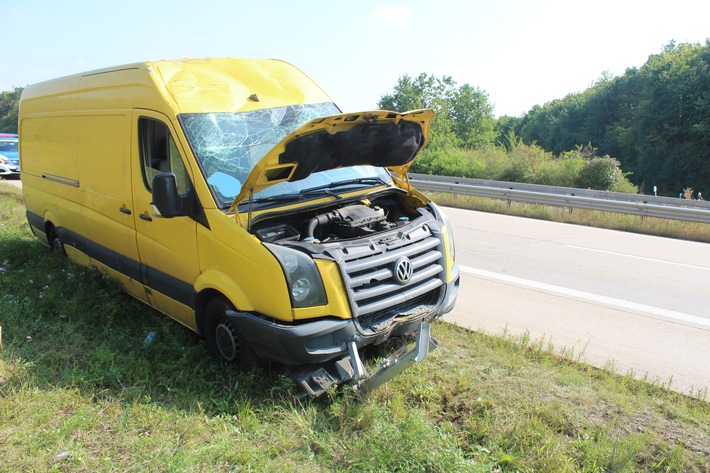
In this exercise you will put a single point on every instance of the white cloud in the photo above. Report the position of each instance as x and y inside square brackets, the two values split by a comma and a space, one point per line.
[396, 15]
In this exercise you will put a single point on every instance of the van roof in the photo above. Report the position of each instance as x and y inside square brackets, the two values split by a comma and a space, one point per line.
[195, 85]
[231, 85]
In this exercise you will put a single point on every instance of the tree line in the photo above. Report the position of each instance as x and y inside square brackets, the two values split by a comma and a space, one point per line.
[655, 119]
[466, 140]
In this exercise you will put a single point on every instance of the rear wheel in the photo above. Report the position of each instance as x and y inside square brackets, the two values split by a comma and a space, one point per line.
[55, 243]
[224, 342]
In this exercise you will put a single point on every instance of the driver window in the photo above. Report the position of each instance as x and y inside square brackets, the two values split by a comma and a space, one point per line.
[159, 153]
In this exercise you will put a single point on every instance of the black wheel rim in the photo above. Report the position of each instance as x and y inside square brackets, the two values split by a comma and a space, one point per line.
[227, 341]
[58, 246]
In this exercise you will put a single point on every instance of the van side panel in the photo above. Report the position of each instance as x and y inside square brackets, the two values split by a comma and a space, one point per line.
[50, 174]
[77, 133]
[48, 131]
[104, 171]
[49, 147]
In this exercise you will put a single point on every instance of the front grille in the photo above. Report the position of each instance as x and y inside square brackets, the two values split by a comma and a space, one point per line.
[378, 321]
[369, 276]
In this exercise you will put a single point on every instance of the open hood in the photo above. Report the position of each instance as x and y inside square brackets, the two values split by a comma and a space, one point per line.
[377, 138]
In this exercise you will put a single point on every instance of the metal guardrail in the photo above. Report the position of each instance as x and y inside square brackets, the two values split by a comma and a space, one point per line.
[635, 204]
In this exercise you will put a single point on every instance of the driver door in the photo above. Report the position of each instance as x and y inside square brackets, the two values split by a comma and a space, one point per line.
[167, 246]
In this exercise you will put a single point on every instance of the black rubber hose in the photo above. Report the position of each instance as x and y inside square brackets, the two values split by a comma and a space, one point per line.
[321, 219]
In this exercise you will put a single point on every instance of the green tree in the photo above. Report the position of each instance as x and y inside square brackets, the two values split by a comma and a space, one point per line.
[505, 130]
[9, 110]
[425, 92]
[464, 116]
[472, 116]
[671, 114]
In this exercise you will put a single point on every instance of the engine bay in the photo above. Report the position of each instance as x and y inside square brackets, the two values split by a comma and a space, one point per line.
[353, 219]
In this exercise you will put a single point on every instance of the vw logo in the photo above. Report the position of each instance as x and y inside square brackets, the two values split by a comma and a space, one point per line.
[403, 270]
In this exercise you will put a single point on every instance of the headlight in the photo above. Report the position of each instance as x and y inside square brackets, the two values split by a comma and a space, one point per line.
[4, 160]
[302, 276]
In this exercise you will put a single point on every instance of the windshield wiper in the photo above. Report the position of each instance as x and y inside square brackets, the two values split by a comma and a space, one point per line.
[277, 197]
[360, 180]
[294, 195]
[322, 189]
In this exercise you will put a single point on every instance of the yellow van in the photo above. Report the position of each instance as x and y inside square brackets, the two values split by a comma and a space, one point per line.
[235, 197]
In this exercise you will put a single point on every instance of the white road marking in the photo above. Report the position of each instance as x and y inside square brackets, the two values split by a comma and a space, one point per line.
[589, 297]
[705, 268]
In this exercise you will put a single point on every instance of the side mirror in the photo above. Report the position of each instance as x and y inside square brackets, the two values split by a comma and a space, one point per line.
[165, 195]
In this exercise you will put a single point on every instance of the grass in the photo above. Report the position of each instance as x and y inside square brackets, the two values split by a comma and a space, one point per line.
[692, 231]
[81, 391]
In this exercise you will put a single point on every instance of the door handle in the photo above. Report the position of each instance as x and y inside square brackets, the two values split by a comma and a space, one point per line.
[125, 210]
[146, 217]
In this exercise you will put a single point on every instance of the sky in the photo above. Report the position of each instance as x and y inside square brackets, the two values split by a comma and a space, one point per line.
[521, 53]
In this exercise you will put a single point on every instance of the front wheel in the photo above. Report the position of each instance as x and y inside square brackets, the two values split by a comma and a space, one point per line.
[224, 342]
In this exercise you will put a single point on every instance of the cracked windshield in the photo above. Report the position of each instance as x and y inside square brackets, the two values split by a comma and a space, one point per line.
[228, 145]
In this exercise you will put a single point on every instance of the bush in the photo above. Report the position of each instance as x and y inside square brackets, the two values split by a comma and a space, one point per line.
[527, 164]
[603, 174]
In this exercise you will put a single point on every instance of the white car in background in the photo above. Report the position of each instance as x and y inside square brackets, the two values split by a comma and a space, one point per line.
[9, 155]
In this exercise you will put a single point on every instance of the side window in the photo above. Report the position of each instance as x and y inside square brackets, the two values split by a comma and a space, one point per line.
[159, 153]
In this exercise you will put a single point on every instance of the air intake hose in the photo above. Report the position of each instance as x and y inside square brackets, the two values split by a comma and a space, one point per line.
[321, 219]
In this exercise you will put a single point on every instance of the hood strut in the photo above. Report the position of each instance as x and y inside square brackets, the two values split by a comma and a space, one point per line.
[251, 202]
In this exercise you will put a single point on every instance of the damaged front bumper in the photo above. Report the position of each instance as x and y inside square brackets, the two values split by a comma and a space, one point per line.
[351, 369]
[325, 352]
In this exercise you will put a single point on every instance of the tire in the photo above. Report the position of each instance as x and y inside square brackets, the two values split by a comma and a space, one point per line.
[56, 245]
[224, 342]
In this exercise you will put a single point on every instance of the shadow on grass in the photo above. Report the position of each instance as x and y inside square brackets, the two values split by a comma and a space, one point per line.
[67, 326]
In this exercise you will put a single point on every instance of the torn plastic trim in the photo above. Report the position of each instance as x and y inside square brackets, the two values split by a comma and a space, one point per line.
[351, 368]
[397, 362]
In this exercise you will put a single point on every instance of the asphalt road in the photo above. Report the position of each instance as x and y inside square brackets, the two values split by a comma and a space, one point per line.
[637, 303]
